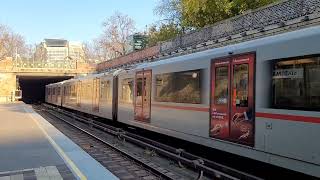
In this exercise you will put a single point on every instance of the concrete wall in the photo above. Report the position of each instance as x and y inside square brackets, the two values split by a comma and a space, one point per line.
[7, 87]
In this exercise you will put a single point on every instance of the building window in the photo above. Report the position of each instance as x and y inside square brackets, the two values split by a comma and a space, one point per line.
[179, 87]
[296, 84]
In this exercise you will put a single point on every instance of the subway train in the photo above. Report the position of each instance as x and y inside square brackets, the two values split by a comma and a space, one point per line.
[258, 99]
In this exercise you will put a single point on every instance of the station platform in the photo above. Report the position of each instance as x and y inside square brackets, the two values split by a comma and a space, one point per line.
[32, 149]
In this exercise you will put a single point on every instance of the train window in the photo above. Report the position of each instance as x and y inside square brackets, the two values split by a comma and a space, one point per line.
[89, 90]
[179, 87]
[296, 84]
[73, 91]
[240, 84]
[86, 89]
[59, 90]
[105, 90]
[221, 85]
[139, 87]
[68, 90]
[54, 91]
[83, 89]
[127, 90]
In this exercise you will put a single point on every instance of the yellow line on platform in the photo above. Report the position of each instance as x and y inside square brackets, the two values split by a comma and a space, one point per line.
[71, 164]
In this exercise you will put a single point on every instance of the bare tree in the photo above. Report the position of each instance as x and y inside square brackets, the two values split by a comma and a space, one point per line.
[88, 51]
[30, 51]
[170, 10]
[92, 51]
[117, 28]
[11, 44]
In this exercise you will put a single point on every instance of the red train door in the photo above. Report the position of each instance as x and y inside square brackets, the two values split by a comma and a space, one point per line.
[147, 76]
[220, 103]
[142, 106]
[232, 99]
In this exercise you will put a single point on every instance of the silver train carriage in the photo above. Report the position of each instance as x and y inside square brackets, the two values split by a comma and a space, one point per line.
[259, 99]
[53, 93]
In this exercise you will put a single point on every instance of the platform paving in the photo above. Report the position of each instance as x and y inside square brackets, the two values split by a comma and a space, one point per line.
[22, 144]
[31, 148]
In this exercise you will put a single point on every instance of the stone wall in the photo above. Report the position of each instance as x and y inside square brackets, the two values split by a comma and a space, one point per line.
[129, 58]
[7, 87]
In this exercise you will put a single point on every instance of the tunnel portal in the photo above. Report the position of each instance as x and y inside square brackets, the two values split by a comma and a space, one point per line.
[33, 87]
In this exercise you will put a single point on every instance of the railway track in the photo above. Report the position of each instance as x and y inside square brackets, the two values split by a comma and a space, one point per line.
[130, 156]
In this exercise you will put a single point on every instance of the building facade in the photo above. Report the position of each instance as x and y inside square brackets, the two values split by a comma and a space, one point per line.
[59, 50]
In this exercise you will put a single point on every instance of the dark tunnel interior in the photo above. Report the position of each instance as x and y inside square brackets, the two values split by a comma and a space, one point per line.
[33, 87]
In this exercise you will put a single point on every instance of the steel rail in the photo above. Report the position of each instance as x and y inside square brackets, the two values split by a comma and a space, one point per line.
[154, 170]
[181, 156]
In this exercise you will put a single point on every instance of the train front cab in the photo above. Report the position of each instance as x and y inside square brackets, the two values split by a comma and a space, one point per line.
[53, 94]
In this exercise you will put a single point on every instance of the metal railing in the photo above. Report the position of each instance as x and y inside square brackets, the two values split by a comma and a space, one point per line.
[41, 64]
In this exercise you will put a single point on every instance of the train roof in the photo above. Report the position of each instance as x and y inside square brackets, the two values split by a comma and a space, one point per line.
[55, 84]
[213, 53]
[87, 77]
[225, 50]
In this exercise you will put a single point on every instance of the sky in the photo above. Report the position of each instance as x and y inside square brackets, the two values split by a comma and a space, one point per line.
[74, 20]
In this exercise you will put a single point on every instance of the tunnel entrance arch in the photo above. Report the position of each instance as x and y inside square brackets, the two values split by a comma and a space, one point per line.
[33, 87]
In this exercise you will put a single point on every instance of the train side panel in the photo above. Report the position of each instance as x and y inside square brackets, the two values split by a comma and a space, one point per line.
[190, 104]
[282, 137]
[105, 97]
[92, 95]
[53, 94]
